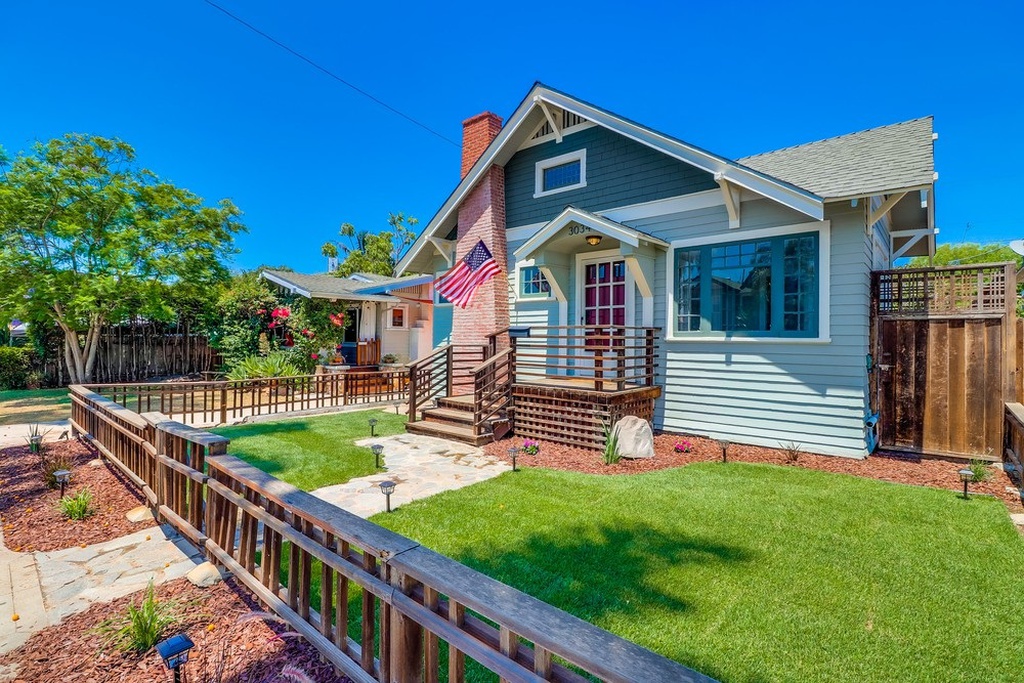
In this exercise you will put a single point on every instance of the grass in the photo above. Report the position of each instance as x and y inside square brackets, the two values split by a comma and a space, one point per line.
[753, 572]
[34, 405]
[314, 451]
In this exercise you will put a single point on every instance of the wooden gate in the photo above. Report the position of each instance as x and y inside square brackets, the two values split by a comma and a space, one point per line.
[945, 358]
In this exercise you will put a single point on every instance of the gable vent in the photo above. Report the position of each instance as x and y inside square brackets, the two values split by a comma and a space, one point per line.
[568, 121]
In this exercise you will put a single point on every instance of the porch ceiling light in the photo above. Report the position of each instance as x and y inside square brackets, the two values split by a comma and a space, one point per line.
[966, 475]
[593, 240]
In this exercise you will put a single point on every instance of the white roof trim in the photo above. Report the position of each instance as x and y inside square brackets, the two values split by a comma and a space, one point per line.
[285, 283]
[605, 226]
[788, 195]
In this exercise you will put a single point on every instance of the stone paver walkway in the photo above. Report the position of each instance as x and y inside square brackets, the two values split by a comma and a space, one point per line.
[17, 435]
[43, 588]
[420, 466]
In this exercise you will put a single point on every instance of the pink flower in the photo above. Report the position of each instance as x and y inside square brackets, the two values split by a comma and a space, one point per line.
[313, 356]
[261, 311]
[272, 325]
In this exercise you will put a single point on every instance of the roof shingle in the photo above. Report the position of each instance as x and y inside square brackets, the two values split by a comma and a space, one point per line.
[870, 162]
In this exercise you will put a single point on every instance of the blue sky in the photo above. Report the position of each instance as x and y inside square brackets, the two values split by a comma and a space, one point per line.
[217, 109]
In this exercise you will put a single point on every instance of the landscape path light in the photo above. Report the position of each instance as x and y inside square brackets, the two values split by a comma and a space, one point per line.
[377, 450]
[513, 453]
[966, 474]
[373, 426]
[63, 477]
[387, 488]
[174, 652]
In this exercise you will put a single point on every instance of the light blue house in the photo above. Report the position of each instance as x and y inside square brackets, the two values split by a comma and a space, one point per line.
[756, 271]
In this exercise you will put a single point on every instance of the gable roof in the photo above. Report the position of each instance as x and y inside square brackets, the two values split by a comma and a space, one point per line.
[529, 114]
[873, 161]
[327, 286]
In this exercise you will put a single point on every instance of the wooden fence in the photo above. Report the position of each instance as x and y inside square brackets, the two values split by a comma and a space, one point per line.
[390, 610]
[945, 347]
[220, 401]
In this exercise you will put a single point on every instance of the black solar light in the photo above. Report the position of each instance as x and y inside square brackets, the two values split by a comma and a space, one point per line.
[62, 477]
[174, 652]
[377, 450]
[373, 426]
[966, 475]
[513, 453]
[387, 488]
[725, 449]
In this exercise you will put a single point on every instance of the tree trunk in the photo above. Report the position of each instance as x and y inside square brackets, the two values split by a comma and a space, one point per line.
[81, 359]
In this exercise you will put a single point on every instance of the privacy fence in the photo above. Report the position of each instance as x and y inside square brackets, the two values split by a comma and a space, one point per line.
[220, 401]
[946, 352]
[389, 610]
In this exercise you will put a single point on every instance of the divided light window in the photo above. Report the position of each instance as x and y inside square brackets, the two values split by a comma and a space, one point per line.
[759, 288]
[532, 282]
[563, 175]
[560, 174]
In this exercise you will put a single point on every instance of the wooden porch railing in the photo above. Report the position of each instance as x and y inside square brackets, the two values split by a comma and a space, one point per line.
[606, 358]
[407, 607]
[220, 401]
[429, 377]
[368, 352]
[492, 389]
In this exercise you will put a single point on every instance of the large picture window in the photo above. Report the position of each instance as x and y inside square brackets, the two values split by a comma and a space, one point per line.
[758, 288]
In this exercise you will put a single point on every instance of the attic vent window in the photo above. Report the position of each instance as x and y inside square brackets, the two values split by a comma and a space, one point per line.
[560, 174]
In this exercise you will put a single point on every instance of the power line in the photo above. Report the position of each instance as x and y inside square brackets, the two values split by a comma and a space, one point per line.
[330, 73]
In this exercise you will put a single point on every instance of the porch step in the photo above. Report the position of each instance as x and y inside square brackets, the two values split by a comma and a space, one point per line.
[448, 415]
[464, 402]
[447, 430]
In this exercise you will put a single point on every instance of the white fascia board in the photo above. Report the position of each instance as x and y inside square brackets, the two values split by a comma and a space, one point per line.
[277, 280]
[787, 195]
[799, 200]
[602, 225]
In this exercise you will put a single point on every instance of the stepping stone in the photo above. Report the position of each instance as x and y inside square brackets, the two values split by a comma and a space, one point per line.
[139, 514]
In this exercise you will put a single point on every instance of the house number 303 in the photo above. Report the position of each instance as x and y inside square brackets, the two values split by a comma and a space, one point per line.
[578, 229]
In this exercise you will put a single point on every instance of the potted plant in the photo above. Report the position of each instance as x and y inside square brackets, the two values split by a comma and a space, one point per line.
[35, 438]
[389, 363]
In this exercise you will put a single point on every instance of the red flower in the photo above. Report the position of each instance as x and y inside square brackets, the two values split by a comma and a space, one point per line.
[272, 325]
[313, 356]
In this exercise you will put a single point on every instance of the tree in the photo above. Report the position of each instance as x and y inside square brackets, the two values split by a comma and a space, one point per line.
[89, 238]
[370, 253]
[967, 253]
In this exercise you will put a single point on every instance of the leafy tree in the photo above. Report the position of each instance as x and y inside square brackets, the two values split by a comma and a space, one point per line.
[366, 252]
[88, 238]
[244, 308]
[967, 253]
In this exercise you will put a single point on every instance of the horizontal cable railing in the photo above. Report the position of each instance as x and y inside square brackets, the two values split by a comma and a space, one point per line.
[224, 400]
[388, 608]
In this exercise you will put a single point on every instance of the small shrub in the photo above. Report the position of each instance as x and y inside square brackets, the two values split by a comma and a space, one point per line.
[78, 506]
[15, 367]
[981, 471]
[143, 626]
[792, 450]
[389, 358]
[34, 380]
[277, 364]
[48, 464]
[35, 438]
[682, 446]
[531, 447]
[611, 445]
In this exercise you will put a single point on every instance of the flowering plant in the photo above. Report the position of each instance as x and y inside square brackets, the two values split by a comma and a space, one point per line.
[683, 446]
[531, 447]
[314, 356]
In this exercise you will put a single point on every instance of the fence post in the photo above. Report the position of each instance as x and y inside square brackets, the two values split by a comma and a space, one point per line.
[406, 636]
[649, 363]
[449, 369]
[223, 404]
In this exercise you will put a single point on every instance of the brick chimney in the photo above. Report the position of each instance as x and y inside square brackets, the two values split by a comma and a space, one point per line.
[477, 133]
[482, 217]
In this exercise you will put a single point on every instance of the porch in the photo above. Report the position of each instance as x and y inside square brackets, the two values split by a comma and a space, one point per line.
[564, 383]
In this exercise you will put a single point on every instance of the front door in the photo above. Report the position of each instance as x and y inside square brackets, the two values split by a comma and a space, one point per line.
[604, 293]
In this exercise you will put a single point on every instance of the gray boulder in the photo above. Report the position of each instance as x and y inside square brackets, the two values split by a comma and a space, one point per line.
[636, 438]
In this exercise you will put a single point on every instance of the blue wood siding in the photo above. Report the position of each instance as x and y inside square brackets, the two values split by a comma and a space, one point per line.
[620, 172]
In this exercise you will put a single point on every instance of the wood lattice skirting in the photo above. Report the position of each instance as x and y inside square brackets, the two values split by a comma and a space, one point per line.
[576, 416]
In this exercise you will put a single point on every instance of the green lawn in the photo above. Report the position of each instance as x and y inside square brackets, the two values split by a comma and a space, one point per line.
[34, 405]
[752, 572]
[314, 451]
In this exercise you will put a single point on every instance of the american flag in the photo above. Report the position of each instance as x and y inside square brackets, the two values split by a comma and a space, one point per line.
[475, 268]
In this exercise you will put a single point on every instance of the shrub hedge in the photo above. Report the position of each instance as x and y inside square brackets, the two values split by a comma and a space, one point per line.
[15, 366]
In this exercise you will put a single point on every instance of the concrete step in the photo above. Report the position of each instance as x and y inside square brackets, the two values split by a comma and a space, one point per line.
[445, 430]
[449, 415]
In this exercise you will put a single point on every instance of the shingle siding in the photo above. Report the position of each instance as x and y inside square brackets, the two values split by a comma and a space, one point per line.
[620, 172]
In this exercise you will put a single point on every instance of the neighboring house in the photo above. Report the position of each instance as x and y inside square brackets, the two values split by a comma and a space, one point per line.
[756, 270]
[394, 311]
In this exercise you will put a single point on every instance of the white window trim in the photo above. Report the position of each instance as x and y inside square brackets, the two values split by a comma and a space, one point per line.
[405, 317]
[539, 168]
[529, 263]
[823, 228]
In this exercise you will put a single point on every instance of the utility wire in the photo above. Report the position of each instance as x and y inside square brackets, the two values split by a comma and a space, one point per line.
[330, 73]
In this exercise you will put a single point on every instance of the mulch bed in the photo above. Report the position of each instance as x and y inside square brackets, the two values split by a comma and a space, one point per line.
[28, 509]
[899, 468]
[232, 644]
